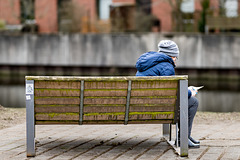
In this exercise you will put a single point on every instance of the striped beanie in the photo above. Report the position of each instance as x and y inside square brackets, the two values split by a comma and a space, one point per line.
[168, 47]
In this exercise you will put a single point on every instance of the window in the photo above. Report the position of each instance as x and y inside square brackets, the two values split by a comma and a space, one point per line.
[104, 9]
[65, 15]
[187, 6]
[27, 10]
[231, 8]
[144, 6]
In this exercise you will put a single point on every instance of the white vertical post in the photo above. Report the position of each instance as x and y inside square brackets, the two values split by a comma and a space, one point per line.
[183, 86]
[30, 118]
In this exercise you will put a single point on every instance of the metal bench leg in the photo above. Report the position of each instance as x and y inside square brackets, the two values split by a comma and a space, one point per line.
[177, 135]
[183, 118]
[30, 118]
[166, 130]
[170, 132]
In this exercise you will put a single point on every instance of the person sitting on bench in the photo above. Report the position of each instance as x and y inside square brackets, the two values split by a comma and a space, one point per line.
[163, 63]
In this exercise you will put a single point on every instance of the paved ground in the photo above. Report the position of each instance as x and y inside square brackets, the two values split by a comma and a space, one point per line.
[219, 140]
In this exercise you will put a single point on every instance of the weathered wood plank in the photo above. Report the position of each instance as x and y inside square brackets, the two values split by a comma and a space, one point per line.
[132, 116]
[150, 115]
[154, 84]
[105, 92]
[153, 92]
[56, 122]
[103, 100]
[55, 100]
[56, 116]
[102, 109]
[150, 121]
[76, 92]
[103, 122]
[101, 78]
[104, 116]
[58, 84]
[129, 122]
[142, 100]
[149, 108]
[152, 108]
[57, 92]
[106, 85]
[57, 109]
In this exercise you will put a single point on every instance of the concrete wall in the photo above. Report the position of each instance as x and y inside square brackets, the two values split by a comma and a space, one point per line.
[196, 51]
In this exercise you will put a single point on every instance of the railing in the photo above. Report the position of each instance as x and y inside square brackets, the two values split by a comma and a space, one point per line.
[225, 23]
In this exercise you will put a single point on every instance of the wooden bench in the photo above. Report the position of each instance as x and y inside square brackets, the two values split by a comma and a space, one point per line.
[107, 100]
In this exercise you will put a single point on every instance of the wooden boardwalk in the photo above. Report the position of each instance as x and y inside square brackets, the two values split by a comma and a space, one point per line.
[131, 142]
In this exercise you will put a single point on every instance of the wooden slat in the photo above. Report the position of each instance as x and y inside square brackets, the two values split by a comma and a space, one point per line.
[152, 100]
[57, 84]
[56, 116]
[132, 116]
[103, 100]
[152, 108]
[57, 92]
[102, 109]
[104, 116]
[150, 115]
[56, 122]
[106, 85]
[57, 109]
[55, 100]
[104, 122]
[153, 92]
[154, 84]
[104, 78]
[105, 92]
[150, 121]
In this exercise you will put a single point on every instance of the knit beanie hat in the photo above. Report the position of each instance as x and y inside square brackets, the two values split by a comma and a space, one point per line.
[168, 47]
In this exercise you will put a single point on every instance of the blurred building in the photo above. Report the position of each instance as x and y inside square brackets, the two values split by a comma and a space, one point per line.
[52, 16]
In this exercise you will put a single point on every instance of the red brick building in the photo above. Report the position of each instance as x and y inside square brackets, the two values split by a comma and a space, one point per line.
[87, 15]
[46, 15]
[10, 11]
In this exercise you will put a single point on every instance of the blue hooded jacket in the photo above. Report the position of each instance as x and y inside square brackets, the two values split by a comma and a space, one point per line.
[156, 64]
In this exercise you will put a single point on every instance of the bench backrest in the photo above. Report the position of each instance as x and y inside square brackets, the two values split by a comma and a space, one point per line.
[105, 100]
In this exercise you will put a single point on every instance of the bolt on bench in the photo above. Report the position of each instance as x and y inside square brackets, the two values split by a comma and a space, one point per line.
[107, 100]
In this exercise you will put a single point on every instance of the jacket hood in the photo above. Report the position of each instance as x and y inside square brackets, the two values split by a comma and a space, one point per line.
[150, 59]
